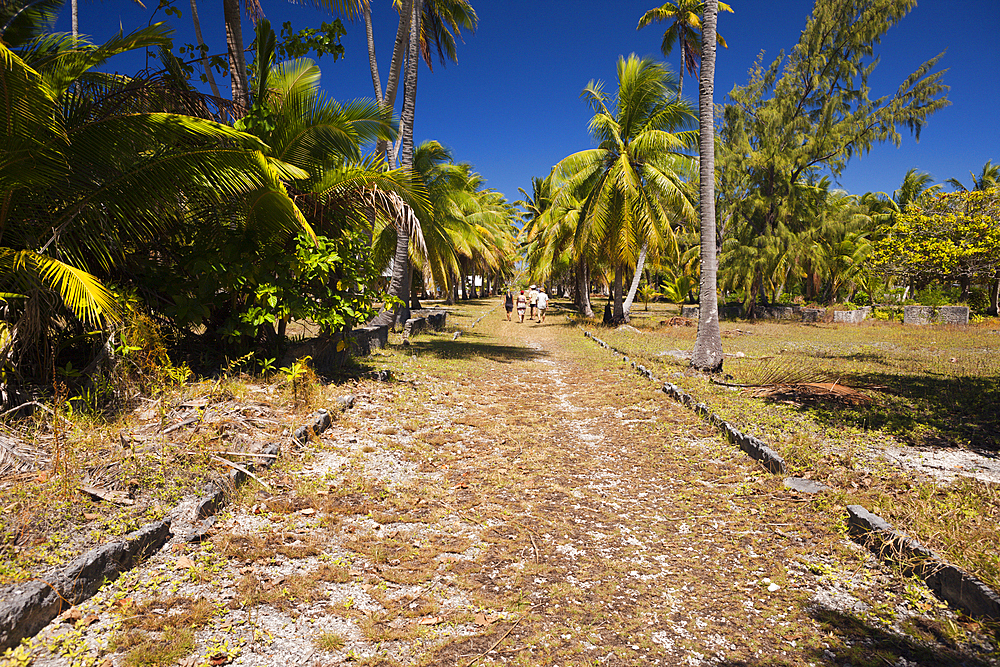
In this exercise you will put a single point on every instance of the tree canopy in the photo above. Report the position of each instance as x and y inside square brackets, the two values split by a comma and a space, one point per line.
[809, 113]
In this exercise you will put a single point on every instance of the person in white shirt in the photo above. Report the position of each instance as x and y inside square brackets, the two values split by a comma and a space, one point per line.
[543, 303]
[532, 302]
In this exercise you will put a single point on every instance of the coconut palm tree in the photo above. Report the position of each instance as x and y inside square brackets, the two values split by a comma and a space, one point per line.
[916, 186]
[112, 172]
[988, 178]
[632, 183]
[427, 23]
[685, 21]
[707, 353]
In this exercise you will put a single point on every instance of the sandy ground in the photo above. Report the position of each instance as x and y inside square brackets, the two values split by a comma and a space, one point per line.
[517, 497]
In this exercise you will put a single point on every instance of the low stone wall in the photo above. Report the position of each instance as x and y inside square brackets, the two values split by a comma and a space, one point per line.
[953, 315]
[27, 607]
[922, 315]
[752, 446]
[413, 326]
[852, 316]
[366, 339]
[421, 320]
[729, 311]
[326, 353]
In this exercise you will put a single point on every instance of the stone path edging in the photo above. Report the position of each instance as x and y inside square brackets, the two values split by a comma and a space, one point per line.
[752, 446]
[478, 320]
[950, 583]
[35, 603]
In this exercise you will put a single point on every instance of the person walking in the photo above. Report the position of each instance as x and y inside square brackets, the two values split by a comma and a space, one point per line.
[522, 303]
[508, 303]
[543, 303]
[533, 301]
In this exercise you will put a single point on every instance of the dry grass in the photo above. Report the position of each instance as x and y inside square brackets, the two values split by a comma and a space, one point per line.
[885, 384]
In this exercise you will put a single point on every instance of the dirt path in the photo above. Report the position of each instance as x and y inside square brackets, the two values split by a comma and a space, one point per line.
[517, 496]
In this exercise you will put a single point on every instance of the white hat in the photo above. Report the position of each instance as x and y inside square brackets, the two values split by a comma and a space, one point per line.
[532, 287]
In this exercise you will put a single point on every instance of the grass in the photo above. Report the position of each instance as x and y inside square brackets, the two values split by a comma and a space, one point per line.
[926, 386]
[529, 544]
[163, 450]
[329, 641]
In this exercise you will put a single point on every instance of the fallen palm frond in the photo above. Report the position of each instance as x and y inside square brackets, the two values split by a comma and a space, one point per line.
[812, 391]
[788, 377]
[778, 370]
[16, 457]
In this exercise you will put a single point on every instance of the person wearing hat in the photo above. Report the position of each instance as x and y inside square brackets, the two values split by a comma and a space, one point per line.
[532, 301]
[543, 303]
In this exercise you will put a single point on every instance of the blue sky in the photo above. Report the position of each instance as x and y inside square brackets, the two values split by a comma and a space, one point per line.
[512, 107]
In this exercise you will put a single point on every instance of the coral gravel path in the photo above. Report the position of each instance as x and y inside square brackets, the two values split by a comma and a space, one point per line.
[516, 496]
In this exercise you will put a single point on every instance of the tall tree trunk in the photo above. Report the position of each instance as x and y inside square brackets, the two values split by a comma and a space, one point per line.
[639, 265]
[414, 301]
[399, 287]
[237, 56]
[387, 99]
[201, 46]
[406, 117]
[994, 295]
[707, 353]
[75, 19]
[618, 315]
[452, 291]
[583, 287]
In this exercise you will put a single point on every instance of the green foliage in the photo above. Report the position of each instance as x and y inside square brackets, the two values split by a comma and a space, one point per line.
[956, 234]
[296, 373]
[322, 41]
[806, 114]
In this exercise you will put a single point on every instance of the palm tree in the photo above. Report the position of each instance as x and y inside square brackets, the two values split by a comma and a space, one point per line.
[707, 353]
[916, 187]
[987, 178]
[685, 27]
[234, 37]
[631, 183]
[422, 23]
[112, 173]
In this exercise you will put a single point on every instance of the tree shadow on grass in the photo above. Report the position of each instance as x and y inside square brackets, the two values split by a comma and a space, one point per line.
[472, 345]
[959, 411]
[858, 642]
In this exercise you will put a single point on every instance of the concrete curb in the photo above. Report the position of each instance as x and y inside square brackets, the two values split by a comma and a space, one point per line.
[754, 447]
[950, 583]
[32, 605]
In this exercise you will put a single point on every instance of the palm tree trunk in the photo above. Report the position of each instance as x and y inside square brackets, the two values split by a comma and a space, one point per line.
[618, 314]
[399, 282]
[399, 287]
[639, 265]
[75, 19]
[583, 287]
[237, 56]
[201, 46]
[707, 353]
[452, 290]
[410, 90]
[414, 301]
[387, 100]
